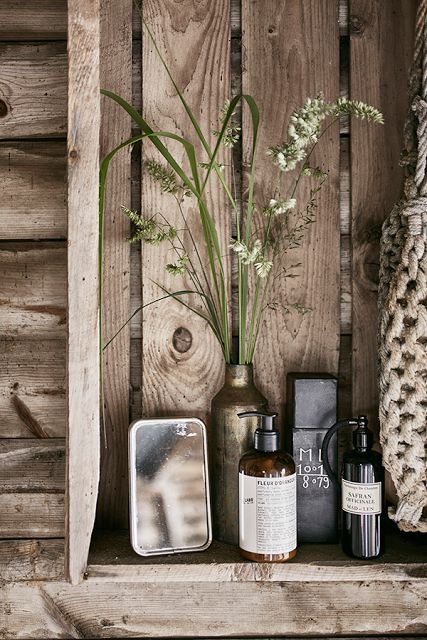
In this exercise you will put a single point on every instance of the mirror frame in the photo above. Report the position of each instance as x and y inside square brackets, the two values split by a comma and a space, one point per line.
[133, 521]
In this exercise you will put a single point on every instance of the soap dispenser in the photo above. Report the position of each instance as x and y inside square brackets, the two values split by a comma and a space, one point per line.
[267, 496]
[362, 492]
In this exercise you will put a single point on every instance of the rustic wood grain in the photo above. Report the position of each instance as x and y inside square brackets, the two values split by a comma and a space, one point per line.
[27, 418]
[237, 572]
[33, 190]
[32, 515]
[242, 608]
[27, 560]
[319, 587]
[33, 298]
[41, 20]
[83, 282]
[116, 76]
[33, 90]
[315, 595]
[248, 572]
[291, 53]
[30, 613]
[32, 486]
[381, 53]
[195, 45]
[35, 371]
[345, 287]
[31, 465]
[137, 94]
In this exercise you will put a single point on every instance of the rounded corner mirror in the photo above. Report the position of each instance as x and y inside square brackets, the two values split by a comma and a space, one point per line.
[169, 487]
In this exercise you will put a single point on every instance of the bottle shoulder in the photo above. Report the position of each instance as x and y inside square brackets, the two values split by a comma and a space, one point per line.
[362, 457]
[362, 466]
[267, 463]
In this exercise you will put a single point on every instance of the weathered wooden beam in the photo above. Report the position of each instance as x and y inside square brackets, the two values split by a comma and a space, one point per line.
[241, 572]
[28, 608]
[33, 93]
[196, 47]
[83, 281]
[382, 40]
[217, 593]
[28, 560]
[292, 53]
[41, 20]
[116, 76]
[34, 293]
[28, 515]
[28, 465]
[35, 371]
[100, 609]
[33, 190]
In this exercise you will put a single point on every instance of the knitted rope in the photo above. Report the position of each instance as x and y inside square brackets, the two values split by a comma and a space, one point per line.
[402, 348]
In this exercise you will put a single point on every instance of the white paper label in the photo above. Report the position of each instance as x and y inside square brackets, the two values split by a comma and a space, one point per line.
[363, 499]
[267, 514]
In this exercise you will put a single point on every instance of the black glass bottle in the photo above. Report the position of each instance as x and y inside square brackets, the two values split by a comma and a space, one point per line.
[362, 492]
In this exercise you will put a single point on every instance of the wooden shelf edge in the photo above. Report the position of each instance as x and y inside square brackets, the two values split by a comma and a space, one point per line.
[112, 559]
[262, 572]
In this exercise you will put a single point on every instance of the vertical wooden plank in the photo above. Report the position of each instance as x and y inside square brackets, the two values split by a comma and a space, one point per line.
[83, 315]
[291, 52]
[116, 76]
[381, 50]
[182, 361]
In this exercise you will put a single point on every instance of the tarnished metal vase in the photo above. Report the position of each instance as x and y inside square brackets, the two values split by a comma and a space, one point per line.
[231, 437]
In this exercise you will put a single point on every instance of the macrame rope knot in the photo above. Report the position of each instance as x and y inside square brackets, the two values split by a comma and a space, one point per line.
[420, 108]
[416, 211]
[402, 304]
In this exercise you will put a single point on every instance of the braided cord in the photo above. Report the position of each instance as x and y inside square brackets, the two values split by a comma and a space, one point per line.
[402, 300]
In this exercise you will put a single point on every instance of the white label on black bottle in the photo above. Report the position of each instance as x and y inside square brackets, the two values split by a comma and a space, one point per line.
[362, 499]
[267, 514]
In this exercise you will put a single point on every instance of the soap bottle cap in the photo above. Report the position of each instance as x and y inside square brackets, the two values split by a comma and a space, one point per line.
[267, 438]
[363, 438]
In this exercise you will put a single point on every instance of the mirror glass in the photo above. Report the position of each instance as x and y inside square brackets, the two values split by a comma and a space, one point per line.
[169, 489]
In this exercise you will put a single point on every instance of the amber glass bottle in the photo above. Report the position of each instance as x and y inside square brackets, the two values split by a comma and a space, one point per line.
[267, 497]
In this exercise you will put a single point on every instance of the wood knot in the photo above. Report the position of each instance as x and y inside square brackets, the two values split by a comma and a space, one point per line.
[357, 26]
[3, 109]
[182, 340]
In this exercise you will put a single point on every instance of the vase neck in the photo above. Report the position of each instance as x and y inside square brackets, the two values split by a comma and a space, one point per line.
[239, 375]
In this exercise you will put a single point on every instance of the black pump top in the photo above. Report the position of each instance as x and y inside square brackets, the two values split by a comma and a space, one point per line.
[363, 438]
[267, 438]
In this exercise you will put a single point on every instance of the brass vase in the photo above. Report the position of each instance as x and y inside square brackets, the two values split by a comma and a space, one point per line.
[231, 437]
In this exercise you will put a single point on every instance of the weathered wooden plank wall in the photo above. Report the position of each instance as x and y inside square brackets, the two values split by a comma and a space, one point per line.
[33, 310]
[116, 76]
[291, 52]
[382, 50]
[381, 43]
[34, 189]
[195, 44]
[288, 52]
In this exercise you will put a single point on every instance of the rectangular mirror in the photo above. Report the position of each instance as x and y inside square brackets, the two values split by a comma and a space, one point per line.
[169, 488]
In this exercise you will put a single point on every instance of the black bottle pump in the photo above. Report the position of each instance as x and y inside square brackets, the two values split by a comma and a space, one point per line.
[362, 491]
[266, 437]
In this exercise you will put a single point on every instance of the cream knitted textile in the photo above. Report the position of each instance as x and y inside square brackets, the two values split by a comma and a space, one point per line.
[402, 348]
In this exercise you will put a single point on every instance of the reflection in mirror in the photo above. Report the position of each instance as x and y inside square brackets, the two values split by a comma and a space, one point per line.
[169, 490]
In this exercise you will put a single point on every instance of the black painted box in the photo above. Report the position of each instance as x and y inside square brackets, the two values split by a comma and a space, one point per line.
[311, 408]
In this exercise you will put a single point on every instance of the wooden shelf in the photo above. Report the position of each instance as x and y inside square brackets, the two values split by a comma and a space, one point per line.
[112, 559]
[216, 593]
